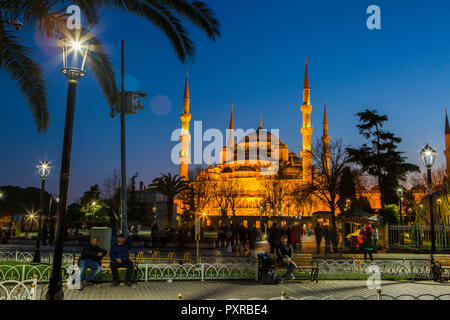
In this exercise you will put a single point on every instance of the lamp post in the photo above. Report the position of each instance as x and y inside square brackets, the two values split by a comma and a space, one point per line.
[73, 74]
[428, 154]
[44, 171]
[439, 202]
[400, 199]
[129, 104]
[260, 217]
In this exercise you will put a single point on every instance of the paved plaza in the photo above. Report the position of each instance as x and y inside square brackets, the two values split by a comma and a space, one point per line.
[222, 290]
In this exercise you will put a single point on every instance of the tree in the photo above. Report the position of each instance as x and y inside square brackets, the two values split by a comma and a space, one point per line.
[227, 194]
[111, 192]
[135, 210]
[95, 212]
[49, 18]
[201, 192]
[170, 186]
[330, 165]
[390, 214]
[347, 188]
[379, 156]
[276, 189]
[91, 196]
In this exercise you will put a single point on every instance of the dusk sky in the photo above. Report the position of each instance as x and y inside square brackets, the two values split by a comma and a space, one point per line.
[402, 70]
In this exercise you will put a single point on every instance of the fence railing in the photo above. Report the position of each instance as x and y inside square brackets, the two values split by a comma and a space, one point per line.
[24, 256]
[418, 237]
[18, 290]
[329, 269]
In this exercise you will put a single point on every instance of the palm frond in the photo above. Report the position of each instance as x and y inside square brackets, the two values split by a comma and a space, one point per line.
[29, 77]
[101, 67]
[162, 16]
[196, 12]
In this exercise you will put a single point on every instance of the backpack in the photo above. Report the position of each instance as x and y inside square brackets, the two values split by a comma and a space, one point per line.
[268, 277]
[265, 262]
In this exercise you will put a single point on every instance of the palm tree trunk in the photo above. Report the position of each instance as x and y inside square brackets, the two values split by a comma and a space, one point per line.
[169, 204]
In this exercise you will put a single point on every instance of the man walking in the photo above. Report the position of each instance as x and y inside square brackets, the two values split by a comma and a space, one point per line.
[284, 255]
[318, 234]
[91, 257]
[274, 237]
[252, 235]
[120, 258]
[242, 237]
[375, 239]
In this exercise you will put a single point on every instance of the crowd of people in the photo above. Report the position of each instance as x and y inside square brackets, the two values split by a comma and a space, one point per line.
[293, 234]
[239, 238]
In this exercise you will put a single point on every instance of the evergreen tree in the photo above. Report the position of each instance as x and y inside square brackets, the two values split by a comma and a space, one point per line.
[379, 157]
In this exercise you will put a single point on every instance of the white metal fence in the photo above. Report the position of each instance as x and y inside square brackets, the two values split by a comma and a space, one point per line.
[18, 290]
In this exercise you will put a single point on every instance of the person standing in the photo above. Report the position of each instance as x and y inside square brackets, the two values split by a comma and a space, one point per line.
[229, 239]
[274, 237]
[221, 235]
[242, 237]
[120, 258]
[367, 234]
[375, 239]
[252, 235]
[333, 238]
[318, 234]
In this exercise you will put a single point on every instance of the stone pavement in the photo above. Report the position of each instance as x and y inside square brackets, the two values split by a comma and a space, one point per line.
[220, 290]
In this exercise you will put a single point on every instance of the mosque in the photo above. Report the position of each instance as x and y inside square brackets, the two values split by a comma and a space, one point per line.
[247, 175]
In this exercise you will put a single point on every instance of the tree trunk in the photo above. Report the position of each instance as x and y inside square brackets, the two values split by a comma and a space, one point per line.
[169, 212]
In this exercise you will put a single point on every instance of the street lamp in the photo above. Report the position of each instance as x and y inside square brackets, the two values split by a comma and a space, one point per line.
[428, 154]
[44, 171]
[439, 202]
[74, 49]
[400, 199]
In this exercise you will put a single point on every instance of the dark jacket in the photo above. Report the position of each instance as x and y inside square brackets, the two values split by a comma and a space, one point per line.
[274, 235]
[242, 234]
[318, 232]
[121, 252]
[91, 252]
[367, 238]
[284, 250]
[252, 234]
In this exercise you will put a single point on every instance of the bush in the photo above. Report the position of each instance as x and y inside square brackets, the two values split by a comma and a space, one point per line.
[390, 214]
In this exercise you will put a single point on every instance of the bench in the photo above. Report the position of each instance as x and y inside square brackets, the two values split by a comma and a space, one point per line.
[440, 266]
[303, 262]
[156, 258]
[106, 264]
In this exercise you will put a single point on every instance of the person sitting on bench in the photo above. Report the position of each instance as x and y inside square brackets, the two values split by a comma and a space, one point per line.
[120, 258]
[284, 254]
[91, 257]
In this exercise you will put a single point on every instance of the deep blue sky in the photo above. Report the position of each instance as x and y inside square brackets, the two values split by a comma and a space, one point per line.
[402, 70]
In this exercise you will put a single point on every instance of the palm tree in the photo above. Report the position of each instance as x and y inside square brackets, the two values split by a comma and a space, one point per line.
[170, 186]
[49, 18]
